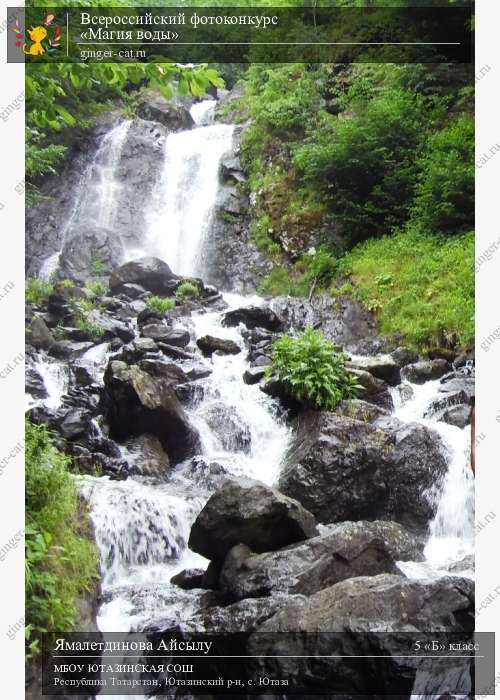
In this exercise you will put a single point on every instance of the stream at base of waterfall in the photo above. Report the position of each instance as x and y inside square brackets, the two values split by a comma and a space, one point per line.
[141, 524]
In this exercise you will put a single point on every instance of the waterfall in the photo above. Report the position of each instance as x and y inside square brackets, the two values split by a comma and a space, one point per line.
[97, 193]
[451, 532]
[183, 200]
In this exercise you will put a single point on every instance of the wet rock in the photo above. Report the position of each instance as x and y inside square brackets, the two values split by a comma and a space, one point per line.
[152, 274]
[360, 410]
[381, 366]
[254, 317]
[208, 474]
[176, 353]
[198, 372]
[451, 385]
[34, 384]
[262, 361]
[208, 344]
[233, 433]
[425, 370]
[253, 375]
[277, 389]
[137, 403]
[248, 512]
[137, 307]
[157, 108]
[404, 356]
[188, 579]
[61, 300]
[349, 549]
[178, 337]
[173, 374]
[39, 335]
[152, 460]
[67, 349]
[84, 244]
[348, 618]
[94, 463]
[75, 424]
[459, 416]
[373, 390]
[132, 291]
[157, 331]
[341, 468]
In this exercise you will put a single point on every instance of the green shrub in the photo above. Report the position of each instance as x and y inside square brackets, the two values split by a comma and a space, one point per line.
[81, 310]
[96, 289]
[61, 562]
[98, 266]
[313, 369]
[38, 290]
[187, 289]
[160, 304]
[444, 200]
[420, 285]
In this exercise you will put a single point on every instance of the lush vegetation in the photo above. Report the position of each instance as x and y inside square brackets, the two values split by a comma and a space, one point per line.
[341, 154]
[160, 305]
[313, 369]
[61, 560]
[187, 290]
[37, 291]
[422, 286]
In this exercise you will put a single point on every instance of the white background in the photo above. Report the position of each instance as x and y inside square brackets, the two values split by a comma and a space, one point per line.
[12, 343]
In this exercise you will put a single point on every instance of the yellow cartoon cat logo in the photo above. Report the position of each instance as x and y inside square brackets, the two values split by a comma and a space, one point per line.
[37, 35]
[42, 39]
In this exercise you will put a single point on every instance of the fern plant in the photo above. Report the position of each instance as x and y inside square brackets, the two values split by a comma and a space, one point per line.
[313, 369]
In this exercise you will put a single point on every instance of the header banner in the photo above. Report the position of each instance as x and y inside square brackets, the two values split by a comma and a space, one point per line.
[241, 35]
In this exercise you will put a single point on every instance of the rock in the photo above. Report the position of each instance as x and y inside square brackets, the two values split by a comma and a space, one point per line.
[425, 370]
[173, 374]
[273, 387]
[156, 331]
[404, 356]
[361, 410]
[350, 618]
[153, 460]
[233, 433]
[254, 317]
[136, 403]
[34, 384]
[132, 291]
[349, 549]
[174, 352]
[344, 469]
[75, 424]
[262, 361]
[253, 375]
[188, 579]
[152, 274]
[458, 384]
[380, 366]
[60, 301]
[39, 335]
[178, 337]
[208, 344]
[248, 512]
[198, 372]
[157, 108]
[209, 475]
[459, 416]
[67, 349]
[85, 243]
[373, 390]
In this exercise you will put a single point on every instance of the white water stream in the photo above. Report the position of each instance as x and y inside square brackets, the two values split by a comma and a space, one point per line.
[142, 525]
[97, 194]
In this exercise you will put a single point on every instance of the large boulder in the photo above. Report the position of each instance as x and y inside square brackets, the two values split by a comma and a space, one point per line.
[172, 115]
[208, 344]
[137, 403]
[341, 468]
[39, 335]
[87, 245]
[381, 366]
[254, 317]
[244, 511]
[425, 370]
[150, 273]
[372, 617]
[347, 550]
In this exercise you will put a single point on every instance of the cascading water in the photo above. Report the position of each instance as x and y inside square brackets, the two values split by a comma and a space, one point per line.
[142, 524]
[451, 532]
[183, 200]
[97, 194]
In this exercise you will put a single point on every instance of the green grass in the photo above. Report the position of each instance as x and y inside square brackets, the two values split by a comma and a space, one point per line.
[159, 304]
[96, 289]
[38, 290]
[61, 561]
[421, 286]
